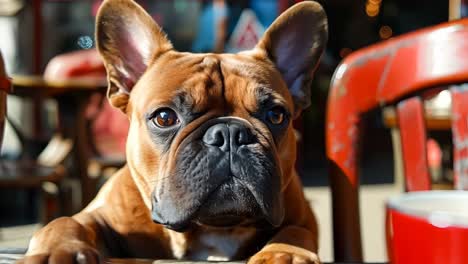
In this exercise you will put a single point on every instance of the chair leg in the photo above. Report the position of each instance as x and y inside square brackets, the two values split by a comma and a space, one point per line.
[30, 213]
[66, 198]
[50, 203]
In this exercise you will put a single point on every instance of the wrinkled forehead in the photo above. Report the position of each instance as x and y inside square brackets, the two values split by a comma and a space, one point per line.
[209, 81]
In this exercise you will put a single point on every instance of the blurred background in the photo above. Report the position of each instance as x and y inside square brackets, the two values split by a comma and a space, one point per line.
[34, 32]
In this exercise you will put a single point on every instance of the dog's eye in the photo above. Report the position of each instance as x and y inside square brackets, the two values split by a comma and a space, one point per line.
[276, 115]
[165, 118]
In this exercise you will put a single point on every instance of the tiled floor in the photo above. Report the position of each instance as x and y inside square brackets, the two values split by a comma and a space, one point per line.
[372, 217]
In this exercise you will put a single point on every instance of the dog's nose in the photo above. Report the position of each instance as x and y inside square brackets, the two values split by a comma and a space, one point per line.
[227, 136]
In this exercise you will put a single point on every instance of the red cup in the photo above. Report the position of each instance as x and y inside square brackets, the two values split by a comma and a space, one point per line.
[428, 227]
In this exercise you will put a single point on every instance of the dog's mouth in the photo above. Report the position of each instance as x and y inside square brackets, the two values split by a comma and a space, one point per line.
[230, 204]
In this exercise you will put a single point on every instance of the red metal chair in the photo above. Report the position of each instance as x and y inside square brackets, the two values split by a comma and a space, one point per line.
[392, 73]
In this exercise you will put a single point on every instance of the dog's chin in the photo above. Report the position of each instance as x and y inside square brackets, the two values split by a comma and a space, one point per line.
[229, 205]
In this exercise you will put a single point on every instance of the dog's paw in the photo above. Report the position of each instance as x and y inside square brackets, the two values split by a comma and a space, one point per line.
[284, 254]
[81, 254]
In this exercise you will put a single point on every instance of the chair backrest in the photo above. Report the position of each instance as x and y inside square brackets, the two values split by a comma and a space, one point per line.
[5, 86]
[385, 74]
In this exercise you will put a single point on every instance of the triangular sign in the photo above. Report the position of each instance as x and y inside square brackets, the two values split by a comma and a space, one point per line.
[247, 32]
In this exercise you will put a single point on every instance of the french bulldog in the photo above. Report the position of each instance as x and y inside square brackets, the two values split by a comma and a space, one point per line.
[210, 152]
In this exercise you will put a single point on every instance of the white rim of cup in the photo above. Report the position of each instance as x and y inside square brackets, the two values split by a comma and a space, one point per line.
[439, 218]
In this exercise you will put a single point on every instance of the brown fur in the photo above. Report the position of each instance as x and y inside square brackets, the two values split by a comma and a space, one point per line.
[118, 222]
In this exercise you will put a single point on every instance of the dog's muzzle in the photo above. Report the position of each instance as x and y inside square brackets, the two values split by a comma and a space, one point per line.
[223, 177]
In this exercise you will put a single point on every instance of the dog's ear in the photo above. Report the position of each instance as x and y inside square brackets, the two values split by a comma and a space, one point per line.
[128, 39]
[295, 42]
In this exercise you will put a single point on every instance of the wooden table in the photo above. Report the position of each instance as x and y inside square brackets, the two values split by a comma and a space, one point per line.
[9, 258]
[72, 97]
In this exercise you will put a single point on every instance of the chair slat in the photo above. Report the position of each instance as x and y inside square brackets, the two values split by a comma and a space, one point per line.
[460, 135]
[410, 113]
